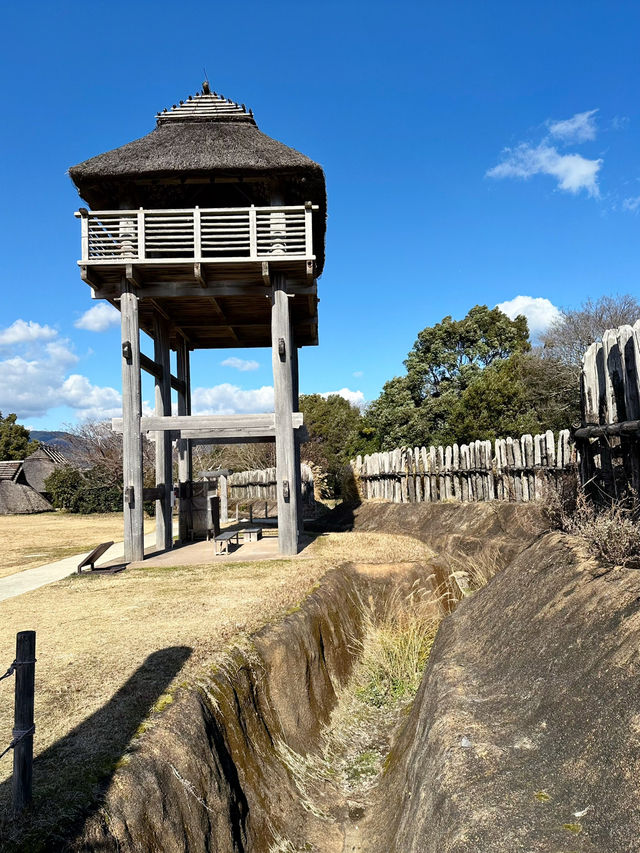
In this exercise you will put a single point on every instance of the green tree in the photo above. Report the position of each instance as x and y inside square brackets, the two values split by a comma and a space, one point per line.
[63, 486]
[14, 439]
[423, 406]
[450, 354]
[393, 416]
[521, 394]
[84, 492]
[337, 433]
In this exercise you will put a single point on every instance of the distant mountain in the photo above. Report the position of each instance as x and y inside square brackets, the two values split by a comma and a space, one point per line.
[57, 439]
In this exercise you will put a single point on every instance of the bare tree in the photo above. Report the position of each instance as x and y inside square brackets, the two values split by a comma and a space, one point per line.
[236, 457]
[568, 338]
[93, 444]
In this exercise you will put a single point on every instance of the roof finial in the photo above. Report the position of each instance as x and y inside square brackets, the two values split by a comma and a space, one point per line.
[205, 88]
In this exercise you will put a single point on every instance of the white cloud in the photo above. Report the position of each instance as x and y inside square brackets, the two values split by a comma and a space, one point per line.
[572, 171]
[619, 122]
[356, 398]
[580, 128]
[240, 363]
[227, 399]
[540, 312]
[358, 373]
[99, 318]
[22, 332]
[631, 204]
[34, 377]
[90, 401]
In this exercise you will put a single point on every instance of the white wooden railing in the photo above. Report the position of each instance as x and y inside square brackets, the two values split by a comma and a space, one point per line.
[202, 235]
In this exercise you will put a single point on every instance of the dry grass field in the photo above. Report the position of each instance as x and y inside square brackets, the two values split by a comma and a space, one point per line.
[27, 541]
[112, 648]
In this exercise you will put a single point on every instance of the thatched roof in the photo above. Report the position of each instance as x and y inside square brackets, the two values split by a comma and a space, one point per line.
[37, 467]
[205, 135]
[10, 470]
[193, 147]
[48, 451]
[16, 499]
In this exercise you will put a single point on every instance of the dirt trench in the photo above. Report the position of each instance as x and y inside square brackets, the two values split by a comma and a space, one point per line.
[218, 771]
[524, 734]
[224, 769]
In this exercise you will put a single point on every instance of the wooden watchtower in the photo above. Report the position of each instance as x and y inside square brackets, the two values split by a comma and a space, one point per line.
[206, 234]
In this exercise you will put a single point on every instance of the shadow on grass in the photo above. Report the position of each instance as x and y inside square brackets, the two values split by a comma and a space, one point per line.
[70, 776]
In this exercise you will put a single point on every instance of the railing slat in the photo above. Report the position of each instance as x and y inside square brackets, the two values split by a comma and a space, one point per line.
[217, 234]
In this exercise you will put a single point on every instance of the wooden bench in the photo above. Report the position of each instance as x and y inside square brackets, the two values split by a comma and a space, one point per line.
[222, 540]
[252, 534]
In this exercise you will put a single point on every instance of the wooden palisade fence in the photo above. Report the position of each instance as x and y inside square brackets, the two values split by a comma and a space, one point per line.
[511, 469]
[609, 436]
[260, 485]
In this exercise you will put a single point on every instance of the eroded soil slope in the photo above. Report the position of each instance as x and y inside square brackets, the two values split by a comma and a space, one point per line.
[525, 734]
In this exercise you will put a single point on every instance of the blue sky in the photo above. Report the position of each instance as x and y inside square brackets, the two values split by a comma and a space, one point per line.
[474, 153]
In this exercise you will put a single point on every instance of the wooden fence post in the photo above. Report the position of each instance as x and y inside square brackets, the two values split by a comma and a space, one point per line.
[23, 720]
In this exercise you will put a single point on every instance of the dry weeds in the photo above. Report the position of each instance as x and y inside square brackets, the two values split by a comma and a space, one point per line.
[611, 531]
[393, 653]
[27, 541]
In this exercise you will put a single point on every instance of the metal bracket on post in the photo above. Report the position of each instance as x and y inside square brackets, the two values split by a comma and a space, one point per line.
[127, 352]
[282, 350]
[285, 490]
[129, 498]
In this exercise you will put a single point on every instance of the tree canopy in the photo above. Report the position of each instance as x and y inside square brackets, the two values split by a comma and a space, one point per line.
[337, 433]
[451, 353]
[14, 439]
[446, 361]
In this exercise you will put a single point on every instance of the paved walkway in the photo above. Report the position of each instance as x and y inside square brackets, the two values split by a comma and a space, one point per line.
[203, 552]
[30, 579]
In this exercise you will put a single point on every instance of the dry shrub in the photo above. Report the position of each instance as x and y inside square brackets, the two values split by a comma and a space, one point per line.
[559, 499]
[609, 527]
[611, 532]
[350, 486]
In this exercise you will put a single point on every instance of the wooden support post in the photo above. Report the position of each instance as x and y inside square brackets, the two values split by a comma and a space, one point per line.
[164, 462]
[224, 498]
[296, 407]
[281, 354]
[23, 720]
[185, 472]
[132, 438]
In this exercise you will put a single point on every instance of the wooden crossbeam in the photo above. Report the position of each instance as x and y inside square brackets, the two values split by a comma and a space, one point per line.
[150, 366]
[131, 275]
[182, 289]
[230, 425]
[90, 280]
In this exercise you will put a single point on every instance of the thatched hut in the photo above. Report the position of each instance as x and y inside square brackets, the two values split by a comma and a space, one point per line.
[37, 467]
